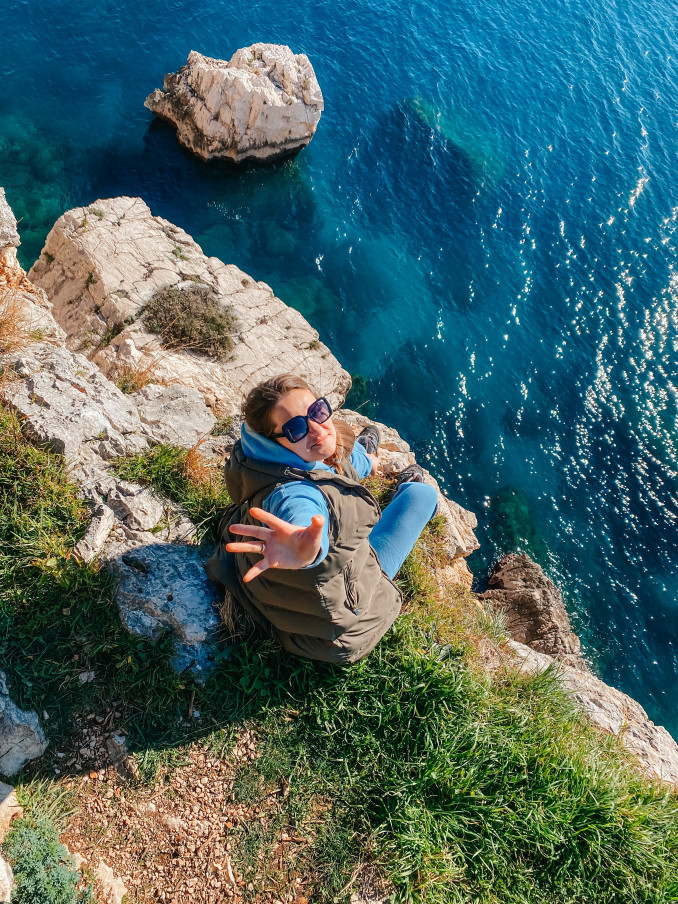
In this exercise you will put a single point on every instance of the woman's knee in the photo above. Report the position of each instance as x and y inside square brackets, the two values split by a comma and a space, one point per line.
[419, 497]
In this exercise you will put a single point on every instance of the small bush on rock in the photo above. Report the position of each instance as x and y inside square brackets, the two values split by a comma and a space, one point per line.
[43, 869]
[191, 317]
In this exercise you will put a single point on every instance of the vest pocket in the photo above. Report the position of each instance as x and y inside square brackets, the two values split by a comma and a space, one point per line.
[351, 590]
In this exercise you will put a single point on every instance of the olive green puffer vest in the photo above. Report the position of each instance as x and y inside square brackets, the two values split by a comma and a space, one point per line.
[338, 610]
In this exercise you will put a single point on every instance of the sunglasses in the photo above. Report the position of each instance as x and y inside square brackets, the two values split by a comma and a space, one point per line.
[297, 427]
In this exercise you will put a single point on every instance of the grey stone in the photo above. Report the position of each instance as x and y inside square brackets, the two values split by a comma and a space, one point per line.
[176, 415]
[138, 506]
[533, 605]
[21, 737]
[164, 586]
[6, 880]
[66, 401]
[87, 549]
[9, 235]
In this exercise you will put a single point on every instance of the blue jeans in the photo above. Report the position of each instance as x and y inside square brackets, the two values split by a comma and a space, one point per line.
[396, 532]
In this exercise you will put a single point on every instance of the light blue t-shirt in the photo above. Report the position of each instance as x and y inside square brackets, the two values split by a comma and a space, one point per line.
[297, 501]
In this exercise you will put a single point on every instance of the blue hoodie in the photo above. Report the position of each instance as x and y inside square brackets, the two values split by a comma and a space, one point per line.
[298, 501]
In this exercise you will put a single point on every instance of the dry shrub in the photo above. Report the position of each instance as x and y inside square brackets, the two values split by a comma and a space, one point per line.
[198, 468]
[191, 317]
[13, 327]
[131, 379]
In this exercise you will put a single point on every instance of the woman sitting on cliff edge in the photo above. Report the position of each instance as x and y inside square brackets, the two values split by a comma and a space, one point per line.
[319, 556]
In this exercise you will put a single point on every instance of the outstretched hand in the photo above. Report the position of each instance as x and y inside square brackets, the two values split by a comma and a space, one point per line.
[285, 545]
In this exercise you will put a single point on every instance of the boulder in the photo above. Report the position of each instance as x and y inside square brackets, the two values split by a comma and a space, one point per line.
[536, 614]
[21, 737]
[176, 415]
[164, 587]
[66, 401]
[102, 264]
[264, 103]
[614, 712]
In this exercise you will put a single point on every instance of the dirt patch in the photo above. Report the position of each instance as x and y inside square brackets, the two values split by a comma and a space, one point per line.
[182, 840]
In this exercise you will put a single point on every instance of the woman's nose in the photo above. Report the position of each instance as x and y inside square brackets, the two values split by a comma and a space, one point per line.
[316, 429]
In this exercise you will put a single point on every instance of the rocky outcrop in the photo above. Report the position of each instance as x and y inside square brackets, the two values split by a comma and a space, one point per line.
[25, 312]
[9, 234]
[100, 267]
[67, 402]
[612, 711]
[21, 737]
[535, 612]
[264, 103]
[543, 638]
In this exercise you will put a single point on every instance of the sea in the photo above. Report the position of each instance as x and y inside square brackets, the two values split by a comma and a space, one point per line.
[483, 230]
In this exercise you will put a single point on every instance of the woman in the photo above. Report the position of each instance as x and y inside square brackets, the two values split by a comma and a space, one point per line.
[317, 557]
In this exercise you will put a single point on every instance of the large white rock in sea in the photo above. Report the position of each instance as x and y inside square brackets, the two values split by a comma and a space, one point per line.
[264, 103]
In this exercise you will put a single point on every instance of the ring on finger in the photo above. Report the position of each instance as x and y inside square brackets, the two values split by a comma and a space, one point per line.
[263, 548]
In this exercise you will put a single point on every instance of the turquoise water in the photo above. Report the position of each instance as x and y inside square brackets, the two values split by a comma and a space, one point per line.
[483, 228]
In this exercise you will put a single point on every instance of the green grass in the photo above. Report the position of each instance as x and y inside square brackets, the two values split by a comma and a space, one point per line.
[184, 477]
[56, 616]
[457, 787]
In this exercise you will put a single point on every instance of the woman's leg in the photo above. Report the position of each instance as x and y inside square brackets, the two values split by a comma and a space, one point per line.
[394, 535]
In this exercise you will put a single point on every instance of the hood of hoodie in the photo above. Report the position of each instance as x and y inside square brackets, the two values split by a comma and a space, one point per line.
[257, 462]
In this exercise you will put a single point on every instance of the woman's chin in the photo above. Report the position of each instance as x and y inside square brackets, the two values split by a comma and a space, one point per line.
[321, 451]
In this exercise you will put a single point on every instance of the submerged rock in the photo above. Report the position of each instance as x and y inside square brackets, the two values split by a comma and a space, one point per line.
[264, 103]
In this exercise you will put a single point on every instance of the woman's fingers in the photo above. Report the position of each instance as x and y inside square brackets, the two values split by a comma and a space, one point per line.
[251, 530]
[268, 518]
[245, 547]
[256, 570]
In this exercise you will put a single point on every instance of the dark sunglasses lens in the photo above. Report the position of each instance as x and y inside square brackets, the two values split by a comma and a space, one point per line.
[320, 411]
[295, 429]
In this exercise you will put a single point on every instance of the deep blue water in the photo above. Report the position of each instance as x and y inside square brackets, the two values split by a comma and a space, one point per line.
[484, 228]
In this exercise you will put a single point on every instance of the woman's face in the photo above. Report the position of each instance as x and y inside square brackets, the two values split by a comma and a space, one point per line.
[321, 440]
